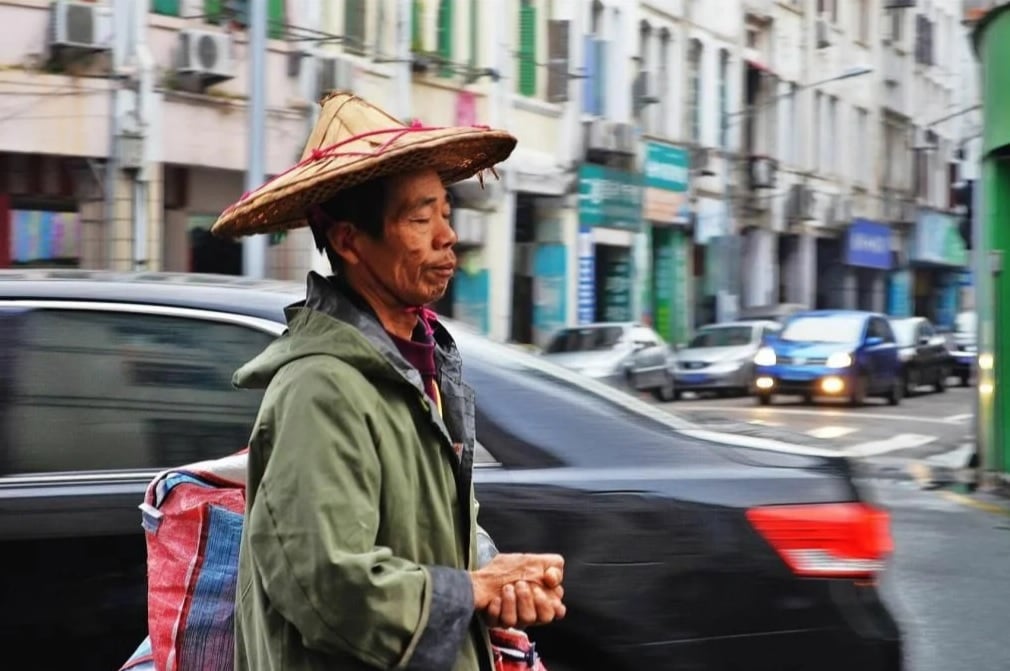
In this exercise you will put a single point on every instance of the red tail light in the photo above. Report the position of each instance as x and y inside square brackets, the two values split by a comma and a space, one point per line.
[834, 540]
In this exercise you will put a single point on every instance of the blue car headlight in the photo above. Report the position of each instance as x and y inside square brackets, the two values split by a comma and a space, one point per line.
[839, 360]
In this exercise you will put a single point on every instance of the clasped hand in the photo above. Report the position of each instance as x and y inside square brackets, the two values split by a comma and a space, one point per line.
[520, 590]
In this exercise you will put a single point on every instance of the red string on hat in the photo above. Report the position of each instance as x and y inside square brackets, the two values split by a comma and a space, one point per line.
[332, 151]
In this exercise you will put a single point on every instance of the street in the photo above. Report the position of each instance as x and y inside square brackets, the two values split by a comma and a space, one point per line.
[947, 583]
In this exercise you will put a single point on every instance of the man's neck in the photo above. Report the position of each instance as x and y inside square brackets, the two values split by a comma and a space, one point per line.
[393, 316]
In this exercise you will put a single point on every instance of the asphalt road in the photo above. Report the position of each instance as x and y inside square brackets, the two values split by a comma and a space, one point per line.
[929, 426]
[949, 580]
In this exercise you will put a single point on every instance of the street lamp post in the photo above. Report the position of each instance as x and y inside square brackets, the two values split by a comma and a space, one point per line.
[724, 125]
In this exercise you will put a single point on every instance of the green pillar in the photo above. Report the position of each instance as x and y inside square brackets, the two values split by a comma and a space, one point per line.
[991, 38]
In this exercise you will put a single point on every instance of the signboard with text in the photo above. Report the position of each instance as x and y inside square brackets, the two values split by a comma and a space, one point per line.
[609, 198]
[665, 179]
[868, 245]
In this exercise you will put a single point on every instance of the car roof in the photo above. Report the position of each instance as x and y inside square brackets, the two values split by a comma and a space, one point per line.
[747, 323]
[836, 313]
[265, 299]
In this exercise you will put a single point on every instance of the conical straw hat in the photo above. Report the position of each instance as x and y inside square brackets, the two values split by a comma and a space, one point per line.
[353, 142]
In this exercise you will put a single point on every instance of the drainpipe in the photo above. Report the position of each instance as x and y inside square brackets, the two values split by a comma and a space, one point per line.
[143, 107]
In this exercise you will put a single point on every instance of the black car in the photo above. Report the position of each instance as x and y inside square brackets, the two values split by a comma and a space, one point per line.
[686, 548]
[925, 355]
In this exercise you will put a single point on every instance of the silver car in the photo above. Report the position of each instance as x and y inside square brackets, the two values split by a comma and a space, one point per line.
[720, 357]
[619, 353]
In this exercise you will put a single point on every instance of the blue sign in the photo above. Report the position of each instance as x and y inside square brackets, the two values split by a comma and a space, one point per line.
[899, 292]
[868, 245]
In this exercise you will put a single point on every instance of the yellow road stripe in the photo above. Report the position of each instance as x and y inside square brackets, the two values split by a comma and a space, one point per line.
[993, 508]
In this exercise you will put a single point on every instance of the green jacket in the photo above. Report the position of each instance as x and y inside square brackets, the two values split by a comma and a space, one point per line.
[360, 515]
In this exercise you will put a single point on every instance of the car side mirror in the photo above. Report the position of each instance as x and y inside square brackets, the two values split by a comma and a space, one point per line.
[874, 341]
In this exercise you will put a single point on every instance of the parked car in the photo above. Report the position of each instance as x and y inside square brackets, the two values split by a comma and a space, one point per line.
[925, 358]
[720, 357]
[778, 312]
[685, 548]
[623, 354]
[838, 353]
[964, 349]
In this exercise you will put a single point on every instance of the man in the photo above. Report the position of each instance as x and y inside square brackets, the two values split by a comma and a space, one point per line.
[360, 549]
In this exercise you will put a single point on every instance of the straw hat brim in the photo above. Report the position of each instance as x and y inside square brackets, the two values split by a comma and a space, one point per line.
[455, 153]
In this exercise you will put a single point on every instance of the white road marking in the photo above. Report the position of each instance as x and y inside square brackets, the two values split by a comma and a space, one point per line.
[764, 422]
[956, 458]
[902, 441]
[959, 418]
[822, 412]
[829, 432]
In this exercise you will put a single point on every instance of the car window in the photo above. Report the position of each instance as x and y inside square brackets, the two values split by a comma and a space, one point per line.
[904, 331]
[831, 328]
[722, 336]
[926, 330]
[879, 328]
[101, 390]
[586, 339]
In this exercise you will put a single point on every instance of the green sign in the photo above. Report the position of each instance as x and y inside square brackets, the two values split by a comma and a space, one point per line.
[609, 198]
[681, 285]
[671, 275]
[666, 167]
[938, 240]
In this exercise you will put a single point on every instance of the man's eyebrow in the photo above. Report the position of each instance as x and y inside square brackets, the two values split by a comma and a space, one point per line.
[426, 201]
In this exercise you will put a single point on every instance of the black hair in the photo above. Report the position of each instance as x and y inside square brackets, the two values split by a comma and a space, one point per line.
[363, 205]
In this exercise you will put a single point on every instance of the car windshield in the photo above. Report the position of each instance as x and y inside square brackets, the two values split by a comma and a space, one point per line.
[829, 328]
[904, 331]
[965, 323]
[588, 339]
[727, 336]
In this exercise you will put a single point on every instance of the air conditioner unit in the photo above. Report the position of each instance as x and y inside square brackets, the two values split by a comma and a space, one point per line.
[80, 26]
[701, 158]
[601, 136]
[763, 170]
[205, 55]
[802, 204]
[335, 74]
[625, 138]
[823, 33]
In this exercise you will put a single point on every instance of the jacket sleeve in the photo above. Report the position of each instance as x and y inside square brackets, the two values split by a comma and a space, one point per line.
[312, 529]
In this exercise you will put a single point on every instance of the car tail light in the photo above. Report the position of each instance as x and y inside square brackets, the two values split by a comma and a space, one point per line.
[834, 540]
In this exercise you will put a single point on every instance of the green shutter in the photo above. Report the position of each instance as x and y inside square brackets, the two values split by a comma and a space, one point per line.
[474, 27]
[445, 24]
[166, 7]
[212, 11]
[275, 24]
[527, 49]
[354, 26]
[417, 26]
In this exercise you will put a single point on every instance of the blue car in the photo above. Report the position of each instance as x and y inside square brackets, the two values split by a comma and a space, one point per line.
[837, 353]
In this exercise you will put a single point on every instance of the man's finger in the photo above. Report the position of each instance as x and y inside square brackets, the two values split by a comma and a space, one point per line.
[526, 608]
[544, 605]
[553, 577]
[508, 617]
[492, 614]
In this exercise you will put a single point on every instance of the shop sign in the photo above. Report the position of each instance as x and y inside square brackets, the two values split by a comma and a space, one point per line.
[587, 277]
[549, 305]
[938, 240]
[609, 198]
[666, 174]
[868, 245]
[43, 236]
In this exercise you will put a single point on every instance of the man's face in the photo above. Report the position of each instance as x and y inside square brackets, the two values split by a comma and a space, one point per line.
[414, 260]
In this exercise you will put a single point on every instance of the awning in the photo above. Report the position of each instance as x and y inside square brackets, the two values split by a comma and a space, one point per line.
[528, 170]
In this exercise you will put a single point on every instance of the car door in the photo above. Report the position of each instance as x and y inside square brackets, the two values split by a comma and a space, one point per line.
[650, 358]
[102, 396]
[934, 348]
[881, 355]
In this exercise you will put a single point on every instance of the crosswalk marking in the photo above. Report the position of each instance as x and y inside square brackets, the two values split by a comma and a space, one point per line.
[831, 432]
[901, 441]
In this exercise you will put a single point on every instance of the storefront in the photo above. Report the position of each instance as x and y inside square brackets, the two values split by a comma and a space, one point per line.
[666, 270]
[868, 255]
[938, 258]
[610, 219]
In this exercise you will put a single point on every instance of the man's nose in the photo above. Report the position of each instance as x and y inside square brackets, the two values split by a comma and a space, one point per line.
[445, 236]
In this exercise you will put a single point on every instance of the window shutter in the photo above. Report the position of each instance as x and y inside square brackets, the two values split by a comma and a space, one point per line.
[212, 11]
[166, 7]
[445, 25]
[591, 68]
[417, 26]
[527, 49]
[557, 55]
[354, 26]
[275, 25]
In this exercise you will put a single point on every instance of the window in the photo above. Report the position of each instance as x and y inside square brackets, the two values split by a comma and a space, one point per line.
[417, 26]
[96, 390]
[828, 9]
[665, 104]
[863, 21]
[166, 7]
[897, 18]
[217, 11]
[831, 138]
[527, 48]
[818, 133]
[445, 29]
[354, 26]
[723, 98]
[861, 139]
[694, 104]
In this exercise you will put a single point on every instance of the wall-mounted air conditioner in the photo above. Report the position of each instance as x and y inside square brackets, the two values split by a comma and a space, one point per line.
[763, 170]
[79, 26]
[205, 55]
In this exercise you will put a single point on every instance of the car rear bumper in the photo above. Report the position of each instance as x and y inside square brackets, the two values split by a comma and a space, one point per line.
[821, 649]
[701, 379]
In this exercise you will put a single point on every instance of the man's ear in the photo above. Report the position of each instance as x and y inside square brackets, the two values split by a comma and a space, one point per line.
[343, 239]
